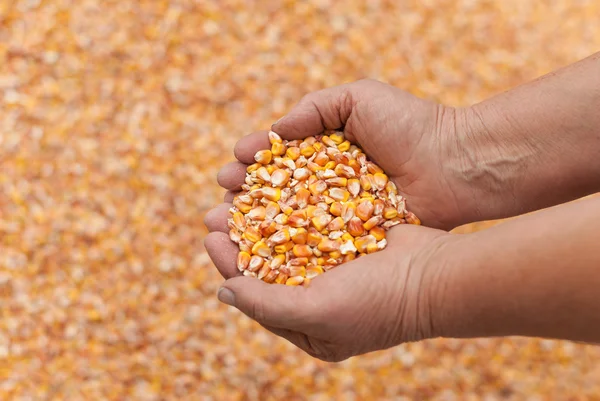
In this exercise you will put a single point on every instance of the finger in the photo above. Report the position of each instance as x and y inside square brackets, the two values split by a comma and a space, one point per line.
[246, 148]
[223, 253]
[325, 109]
[229, 195]
[273, 305]
[232, 175]
[410, 235]
[216, 219]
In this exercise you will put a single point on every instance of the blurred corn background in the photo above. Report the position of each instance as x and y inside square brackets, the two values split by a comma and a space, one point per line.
[115, 116]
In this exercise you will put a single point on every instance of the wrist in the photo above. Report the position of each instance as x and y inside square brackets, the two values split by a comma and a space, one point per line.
[489, 158]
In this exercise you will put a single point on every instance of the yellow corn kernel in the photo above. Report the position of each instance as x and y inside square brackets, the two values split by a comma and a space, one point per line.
[302, 196]
[364, 210]
[335, 254]
[347, 237]
[337, 138]
[355, 165]
[293, 153]
[314, 271]
[327, 141]
[321, 261]
[337, 181]
[274, 138]
[313, 167]
[349, 257]
[328, 245]
[286, 209]
[301, 236]
[320, 222]
[264, 270]
[239, 221]
[321, 159]
[355, 227]
[298, 269]
[270, 169]
[336, 209]
[242, 207]
[390, 212]
[344, 146]
[253, 167]
[267, 228]
[263, 156]
[330, 165]
[339, 194]
[270, 276]
[272, 194]
[378, 206]
[280, 237]
[252, 234]
[280, 177]
[380, 180]
[256, 263]
[365, 182]
[301, 174]
[391, 188]
[278, 149]
[281, 278]
[411, 218]
[277, 261]
[348, 211]
[377, 232]
[243, 260]
[301, 251]
[362, 243]
[372, 222]
[313, 237]
[294, 281]
[319, 147]
[283, 248]
[307, 151]
[317, 187]
[372, 248]
[336, 224]
[311, 211]
[261, 249]
[272, 210]
[353, 186]
[295, 264]
[373, 168]
[257, 213]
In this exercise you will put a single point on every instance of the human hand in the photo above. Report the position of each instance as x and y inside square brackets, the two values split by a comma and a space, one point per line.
[372, 303]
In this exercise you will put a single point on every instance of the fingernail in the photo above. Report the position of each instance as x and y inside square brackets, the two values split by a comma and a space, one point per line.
[226, 296]
[276, 122]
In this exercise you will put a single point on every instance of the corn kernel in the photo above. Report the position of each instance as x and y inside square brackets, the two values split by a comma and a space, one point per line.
[355, 227]
[243, 261]
[252, 234]
[364, 210]
[377, 232]
[293, 281]
[274, 138]
[300, 237]
[283, 248]
[253, 167]
[412, 219]
[261, 249]
[336, 209]
[390, 212]
[293, 153]
[344, 146]
[281, 278]
[263, 156]
[301, 251]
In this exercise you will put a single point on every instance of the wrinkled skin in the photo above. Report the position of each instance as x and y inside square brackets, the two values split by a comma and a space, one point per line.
[385, 298]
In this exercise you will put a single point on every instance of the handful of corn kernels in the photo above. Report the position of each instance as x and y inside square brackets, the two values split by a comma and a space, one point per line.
[309, 205]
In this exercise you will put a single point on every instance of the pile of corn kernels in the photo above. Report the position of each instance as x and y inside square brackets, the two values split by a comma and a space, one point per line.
[115, 116]
[310, 205]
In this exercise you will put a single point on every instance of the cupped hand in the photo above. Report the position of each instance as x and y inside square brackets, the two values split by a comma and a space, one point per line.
[372, 303]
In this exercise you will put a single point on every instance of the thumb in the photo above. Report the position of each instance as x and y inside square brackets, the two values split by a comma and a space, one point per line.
[325, 109]
[272, 305]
